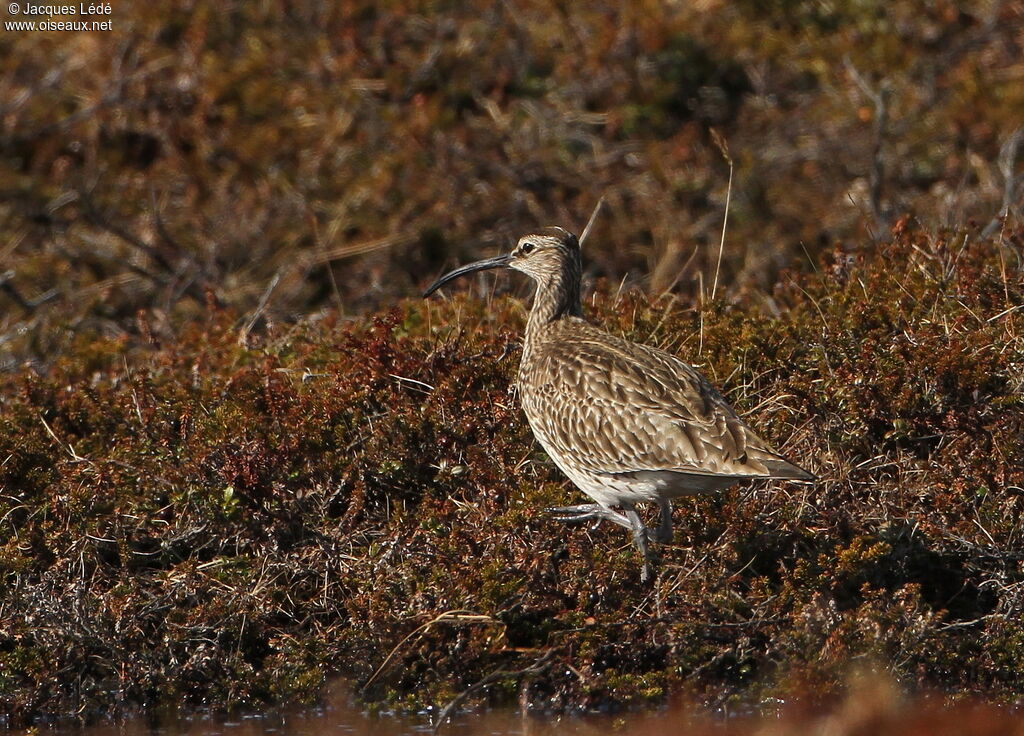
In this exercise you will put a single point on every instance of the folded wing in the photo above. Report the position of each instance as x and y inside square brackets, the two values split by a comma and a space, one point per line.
[610, 406]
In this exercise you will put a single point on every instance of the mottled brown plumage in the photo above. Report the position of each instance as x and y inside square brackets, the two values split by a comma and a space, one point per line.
[626, 422]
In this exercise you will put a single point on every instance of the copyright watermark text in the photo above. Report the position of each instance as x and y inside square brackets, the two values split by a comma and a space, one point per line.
[81, 17]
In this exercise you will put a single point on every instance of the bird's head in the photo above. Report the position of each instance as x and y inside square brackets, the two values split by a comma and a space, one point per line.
[542, 256]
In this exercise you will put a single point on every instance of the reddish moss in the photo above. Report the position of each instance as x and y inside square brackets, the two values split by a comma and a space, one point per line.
[216, 521]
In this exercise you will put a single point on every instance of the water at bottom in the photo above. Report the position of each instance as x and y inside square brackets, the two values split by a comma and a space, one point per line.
[872, 706]
[339, 716]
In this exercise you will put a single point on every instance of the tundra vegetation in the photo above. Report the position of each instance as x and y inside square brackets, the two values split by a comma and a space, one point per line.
[236, 458]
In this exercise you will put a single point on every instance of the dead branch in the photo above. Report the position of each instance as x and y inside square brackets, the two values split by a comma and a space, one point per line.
[96, 218]
[876, 175]
[29, 305]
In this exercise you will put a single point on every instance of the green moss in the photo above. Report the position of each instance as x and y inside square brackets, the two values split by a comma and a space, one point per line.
[633, 690]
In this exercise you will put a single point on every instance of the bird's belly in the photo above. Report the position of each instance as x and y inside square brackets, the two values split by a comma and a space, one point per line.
[645, 486]
[618, 489]
[612, 490]
[641, 486]
[628, 487]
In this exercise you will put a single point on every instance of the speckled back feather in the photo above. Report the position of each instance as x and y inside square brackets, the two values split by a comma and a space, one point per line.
[607, 405]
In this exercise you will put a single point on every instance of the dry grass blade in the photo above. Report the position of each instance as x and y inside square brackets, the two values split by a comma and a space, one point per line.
[66, 446]
[1006, 163]
[358, 249]
[590, 222]
[723, 148]
[448, 617]
[260, 308]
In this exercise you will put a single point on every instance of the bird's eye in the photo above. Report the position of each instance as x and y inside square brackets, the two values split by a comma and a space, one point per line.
[526, 248]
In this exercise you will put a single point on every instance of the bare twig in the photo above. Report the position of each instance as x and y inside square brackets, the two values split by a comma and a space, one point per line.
[167, 274]
[161, 228]
[94, 216]
[29, 305]
[325, 260]
[114, 96]
[880, 101]
[14, 102]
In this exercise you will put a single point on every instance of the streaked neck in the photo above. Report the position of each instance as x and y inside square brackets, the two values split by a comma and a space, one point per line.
[556, 297]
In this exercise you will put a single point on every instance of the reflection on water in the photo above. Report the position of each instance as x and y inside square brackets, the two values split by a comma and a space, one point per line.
[872, 707]
[338, 716]
[345, 721]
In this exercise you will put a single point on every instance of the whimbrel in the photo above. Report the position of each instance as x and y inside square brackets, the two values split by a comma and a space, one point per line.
[626, 422]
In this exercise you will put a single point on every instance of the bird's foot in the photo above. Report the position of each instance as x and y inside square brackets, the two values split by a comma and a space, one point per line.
[645, 570]
[647, 557]
[630, 520]
[656, 535]
[661, 534]
[641, 534]
[587, 512]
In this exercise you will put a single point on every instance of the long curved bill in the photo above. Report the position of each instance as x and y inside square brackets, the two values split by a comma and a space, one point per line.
[498, 262]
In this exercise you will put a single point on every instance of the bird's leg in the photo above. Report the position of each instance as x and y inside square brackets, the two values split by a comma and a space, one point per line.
[664, 532]
[587, 511]
[640, 533]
